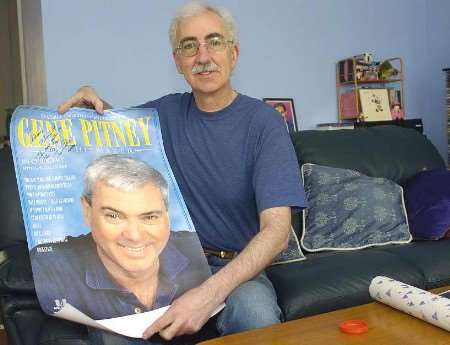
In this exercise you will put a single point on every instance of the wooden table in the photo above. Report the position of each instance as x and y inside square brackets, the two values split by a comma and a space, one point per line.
[387, 326]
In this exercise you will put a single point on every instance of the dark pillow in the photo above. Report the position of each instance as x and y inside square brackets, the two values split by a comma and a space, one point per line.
[391, 152]
[427, 198]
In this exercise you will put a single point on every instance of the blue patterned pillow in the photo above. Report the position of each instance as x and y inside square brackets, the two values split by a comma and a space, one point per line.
[349, 210]
[292, 253]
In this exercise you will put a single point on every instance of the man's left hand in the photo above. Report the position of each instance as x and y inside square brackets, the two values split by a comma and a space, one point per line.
[186, 315]
[190, 312]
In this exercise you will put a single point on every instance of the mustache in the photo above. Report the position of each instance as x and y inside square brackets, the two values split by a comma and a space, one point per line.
[208, 67]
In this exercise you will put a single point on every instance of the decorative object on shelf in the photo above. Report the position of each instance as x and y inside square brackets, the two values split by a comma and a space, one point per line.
[365, 58]
[363, 72]
[370, 74]
[386, 70]
[285, 106]
[365, 68]
[396, 111]
[374, 105]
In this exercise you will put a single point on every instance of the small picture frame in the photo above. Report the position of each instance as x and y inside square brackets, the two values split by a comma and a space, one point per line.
[285, 106]
[375, 104]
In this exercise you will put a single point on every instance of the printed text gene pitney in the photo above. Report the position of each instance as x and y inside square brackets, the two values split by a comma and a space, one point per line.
[126, 132]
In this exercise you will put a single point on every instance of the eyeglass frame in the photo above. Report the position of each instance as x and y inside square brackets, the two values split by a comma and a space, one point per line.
[209, 38]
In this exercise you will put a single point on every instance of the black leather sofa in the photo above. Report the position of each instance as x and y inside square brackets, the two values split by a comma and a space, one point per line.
[333, 280]
[322, 283]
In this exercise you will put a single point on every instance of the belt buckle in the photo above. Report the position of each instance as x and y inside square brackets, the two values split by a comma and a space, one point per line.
[222, 254]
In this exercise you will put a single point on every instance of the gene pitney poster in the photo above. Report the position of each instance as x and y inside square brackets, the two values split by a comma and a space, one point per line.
[110, 238]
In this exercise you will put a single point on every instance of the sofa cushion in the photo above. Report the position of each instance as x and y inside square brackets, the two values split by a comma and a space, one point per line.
[334, 280]
[348, 210]
[15, 270]
[392, 152]
[431, 258]
[22, 317]
[62, 332]
[427, 197]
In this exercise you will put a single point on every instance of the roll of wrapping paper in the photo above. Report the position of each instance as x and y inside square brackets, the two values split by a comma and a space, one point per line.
[422, 304]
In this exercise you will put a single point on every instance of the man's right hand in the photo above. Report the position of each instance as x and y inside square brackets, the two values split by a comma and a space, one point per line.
[85, 97]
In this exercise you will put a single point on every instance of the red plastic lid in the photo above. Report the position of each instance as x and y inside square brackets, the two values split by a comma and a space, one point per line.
[354, 326]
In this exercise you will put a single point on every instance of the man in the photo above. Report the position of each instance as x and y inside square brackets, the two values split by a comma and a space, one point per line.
[236, 168]
[281, 108]
[130, 262]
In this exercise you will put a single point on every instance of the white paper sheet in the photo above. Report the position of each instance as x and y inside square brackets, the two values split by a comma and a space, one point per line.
[419, 303]
[130, 325]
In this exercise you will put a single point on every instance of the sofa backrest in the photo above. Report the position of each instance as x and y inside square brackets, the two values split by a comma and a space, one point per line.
[12, 230]
[392, 152]
[387, 151]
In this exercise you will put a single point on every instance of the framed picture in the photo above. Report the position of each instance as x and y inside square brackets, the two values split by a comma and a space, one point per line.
[285, 106]
[375, 104]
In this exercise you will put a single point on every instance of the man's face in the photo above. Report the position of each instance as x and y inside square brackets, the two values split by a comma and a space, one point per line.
[130, 229]
[202, 27]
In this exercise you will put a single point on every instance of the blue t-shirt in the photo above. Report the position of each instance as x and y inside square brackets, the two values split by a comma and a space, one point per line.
[230, 165]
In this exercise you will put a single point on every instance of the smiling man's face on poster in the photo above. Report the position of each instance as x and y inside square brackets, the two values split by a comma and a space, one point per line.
[130, 228]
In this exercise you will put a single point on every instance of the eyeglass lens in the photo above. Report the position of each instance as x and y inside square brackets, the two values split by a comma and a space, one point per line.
[190, 47]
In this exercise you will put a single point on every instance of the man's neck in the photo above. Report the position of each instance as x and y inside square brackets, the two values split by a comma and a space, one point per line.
[144, 287]
[214, 102]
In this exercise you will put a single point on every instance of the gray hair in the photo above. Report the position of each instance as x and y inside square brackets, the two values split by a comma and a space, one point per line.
[194, 8]
[124, 173]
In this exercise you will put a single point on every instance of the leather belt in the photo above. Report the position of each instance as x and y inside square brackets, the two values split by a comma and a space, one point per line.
[223, 254]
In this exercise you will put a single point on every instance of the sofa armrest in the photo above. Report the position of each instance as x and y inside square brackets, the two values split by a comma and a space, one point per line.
[15, 270]
[22, 318]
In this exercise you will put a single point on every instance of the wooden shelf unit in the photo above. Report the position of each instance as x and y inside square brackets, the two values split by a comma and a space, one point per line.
[353, 84]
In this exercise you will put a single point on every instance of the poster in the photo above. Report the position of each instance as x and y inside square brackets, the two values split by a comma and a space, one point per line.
[285, 106]
[111, 240]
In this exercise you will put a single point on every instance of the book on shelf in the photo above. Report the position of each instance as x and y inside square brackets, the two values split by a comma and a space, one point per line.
[395, 96]
[346, 70]
[348, 106]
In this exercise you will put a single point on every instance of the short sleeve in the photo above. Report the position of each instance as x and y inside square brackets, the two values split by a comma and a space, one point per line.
[276, 175]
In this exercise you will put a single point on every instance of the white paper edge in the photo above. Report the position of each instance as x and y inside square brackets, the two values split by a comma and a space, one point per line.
[131, 325]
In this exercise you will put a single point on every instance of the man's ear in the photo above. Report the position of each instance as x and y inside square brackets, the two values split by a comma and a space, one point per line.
[175, 59]
[87, 210]
[234, 55]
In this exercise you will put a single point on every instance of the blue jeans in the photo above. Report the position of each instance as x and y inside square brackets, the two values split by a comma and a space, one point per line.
[251, 305]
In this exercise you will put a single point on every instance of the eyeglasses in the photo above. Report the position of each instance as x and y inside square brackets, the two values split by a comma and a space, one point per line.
[190, 47]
